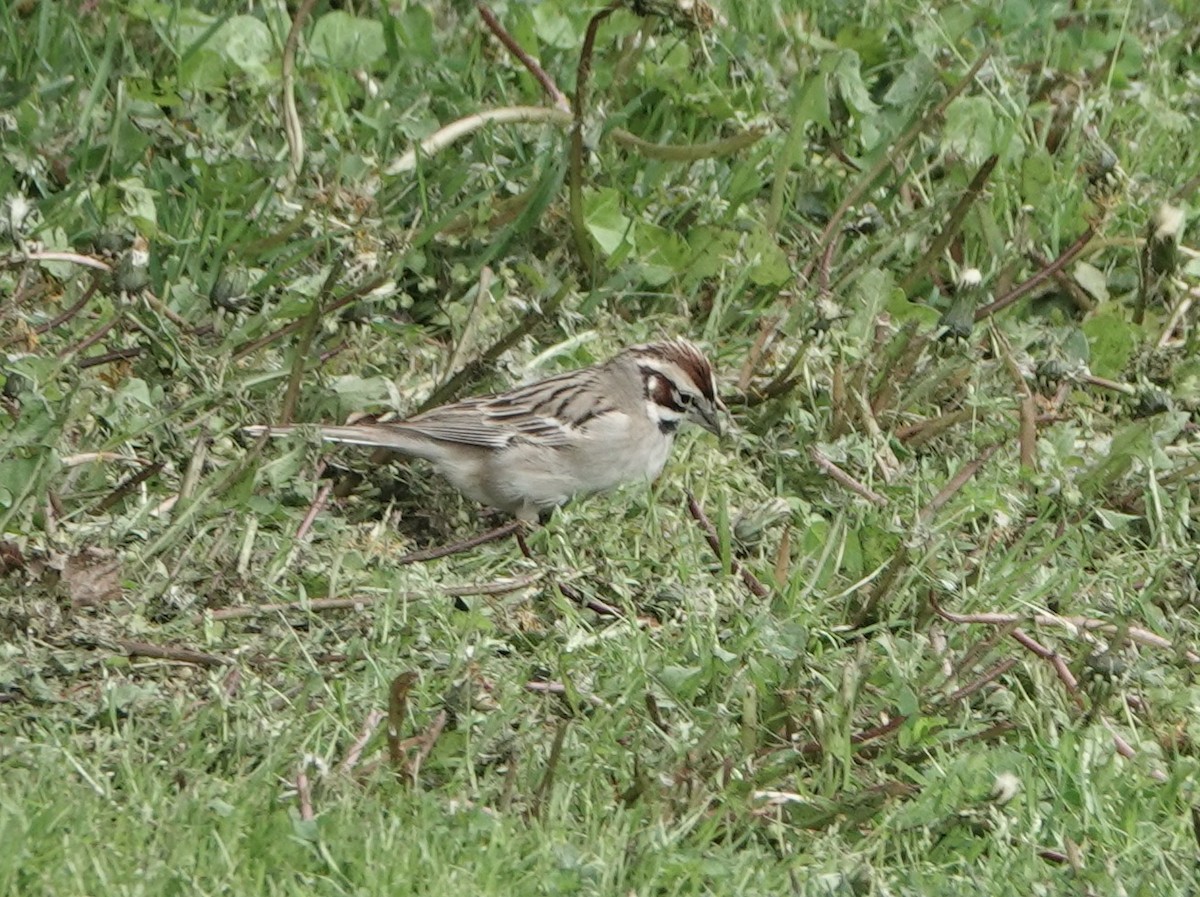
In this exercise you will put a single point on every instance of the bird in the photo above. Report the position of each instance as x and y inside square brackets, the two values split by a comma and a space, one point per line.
[531, 449]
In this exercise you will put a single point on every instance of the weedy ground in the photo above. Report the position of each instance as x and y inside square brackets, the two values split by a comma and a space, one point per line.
[943, 634]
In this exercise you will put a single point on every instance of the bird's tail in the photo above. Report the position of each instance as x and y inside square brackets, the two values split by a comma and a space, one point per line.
[375, 435]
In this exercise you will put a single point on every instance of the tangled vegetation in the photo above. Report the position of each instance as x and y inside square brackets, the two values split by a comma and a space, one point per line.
[926, 621]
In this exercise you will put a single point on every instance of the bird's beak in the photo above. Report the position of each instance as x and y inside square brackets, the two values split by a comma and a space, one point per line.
[707, 416]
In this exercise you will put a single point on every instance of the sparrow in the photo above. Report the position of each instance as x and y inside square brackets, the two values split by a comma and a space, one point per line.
[533, 448]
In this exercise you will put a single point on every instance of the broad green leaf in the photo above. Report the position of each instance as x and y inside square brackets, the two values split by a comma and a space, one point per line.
[137, 391]
[812, 104]
[609, 226]
[902, 309]
[347, 42]
[872, 289]
[138, 202]
[365, 392]
[1037, 173]
[203, 70]
[682, 681]
[1092, 279]
[870, 44]
[414, 28]
[711, 247]
[662, 254]
[847, 75]
[974, 130]
[15, 475]
[768, 263]
[554, 28]
[852, 555]
[246, 43]
[1137, 441]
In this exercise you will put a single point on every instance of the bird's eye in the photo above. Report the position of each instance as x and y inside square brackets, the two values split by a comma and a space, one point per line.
[685, 399]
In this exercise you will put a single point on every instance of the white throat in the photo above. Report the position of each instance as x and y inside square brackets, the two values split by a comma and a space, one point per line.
[665, 419]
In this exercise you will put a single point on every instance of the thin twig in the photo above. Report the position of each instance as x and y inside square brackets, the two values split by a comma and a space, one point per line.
[304, 796]
[714, 542]
[430, 554]
[895, 722]
[161, 308]
[583, 240]
[542, 794]
[85, 260]
[168, 652]
[953, 224]
[1125, 749]
[1178, 316]
[970, 688]
[826, 266]
[397, 705]
[292, 128]
[844, 479]
[124, 488]
[353, 296]
[595, 605]
[1105, 383]
[690, 152]
[980, 649]
[428, 740]
[1056, 661]
[900, 358]
[314, 509]
[489, 18]
[108, 358]
[655, 713]
[72, 311]
[920, 432]
[311, 321]
[231, 683]
[195, 468]
[447, 135]
[89, 341]
[1082, 300]
[471, 371]
[955, 483]
[1021, 637]
[766, 330]
[1027, 434]
[782, 383]
[498, 587]
[560, 690]
[889, 573]
[815, 748]
[1136, 634]
[92, 457]
[1027, 286]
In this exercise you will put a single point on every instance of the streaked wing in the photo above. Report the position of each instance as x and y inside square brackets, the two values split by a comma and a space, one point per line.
[490, 422]
[549, 412]
[463, 422]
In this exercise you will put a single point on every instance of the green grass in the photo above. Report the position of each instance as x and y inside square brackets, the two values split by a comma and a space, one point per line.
[838, 736]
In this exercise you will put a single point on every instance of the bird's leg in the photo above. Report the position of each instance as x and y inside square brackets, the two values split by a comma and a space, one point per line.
[429, 554]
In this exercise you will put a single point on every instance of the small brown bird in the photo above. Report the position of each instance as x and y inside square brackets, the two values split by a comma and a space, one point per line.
[533, 448]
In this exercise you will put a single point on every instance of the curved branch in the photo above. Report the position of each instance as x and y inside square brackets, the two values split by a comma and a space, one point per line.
[291, 117]
[456, 130]
[445, 137]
